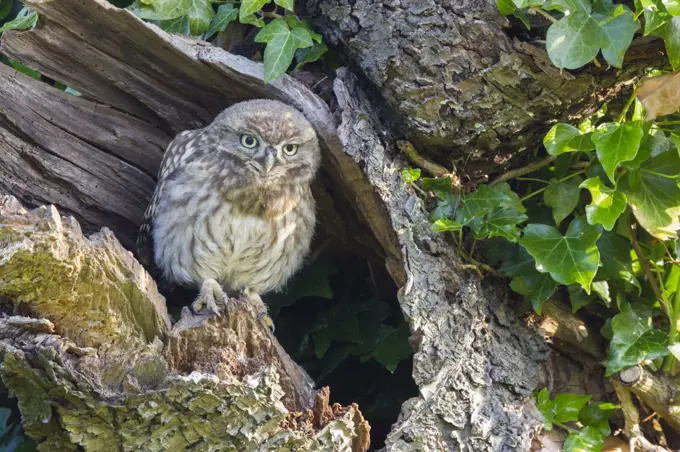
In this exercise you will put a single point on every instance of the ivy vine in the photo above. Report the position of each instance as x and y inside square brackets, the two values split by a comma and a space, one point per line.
[595, 219]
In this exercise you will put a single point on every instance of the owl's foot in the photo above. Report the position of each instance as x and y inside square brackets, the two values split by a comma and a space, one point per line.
[248, 295]
[211, 294]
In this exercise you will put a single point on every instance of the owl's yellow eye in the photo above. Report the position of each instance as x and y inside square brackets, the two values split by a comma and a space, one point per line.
[290, 149]
[248, 141]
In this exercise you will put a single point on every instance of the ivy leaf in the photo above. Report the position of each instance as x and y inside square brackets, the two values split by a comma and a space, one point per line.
[616, 143]
[601, 288]
[578, 297]
[653, 193]
[282, 42]
[634, 340]
[294, 22]
[521, 263]
[618, 29]
[615, 258]
[572, 258]
[540, 286]
[654, 12]
[446, 208]
[409, 175]
[249, 7]
[574, 40]
[5, 8]
[672, 6]
[606, 205]
[568, 5]
[310, 54]
[485, 200]
[567, 406]
[285, 4]
[500, 223]
[445, 224]
[160, 9]
[546, 408]
[252, 20]
[225, 14]
[26, 19]
[199, 16]
[440, 186]
[563, 197]
[588, 439]
[670, 33]
[563, 138]
[597, 415]
[393, 346]
[505, 7]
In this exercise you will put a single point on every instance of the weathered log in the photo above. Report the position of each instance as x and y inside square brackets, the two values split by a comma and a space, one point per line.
[475, 364]
[459, 82]
[97, 363]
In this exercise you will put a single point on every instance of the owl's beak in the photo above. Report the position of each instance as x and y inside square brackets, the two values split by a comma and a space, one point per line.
[269, 159]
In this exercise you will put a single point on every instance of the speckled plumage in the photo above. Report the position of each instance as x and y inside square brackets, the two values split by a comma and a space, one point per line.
[218, 216]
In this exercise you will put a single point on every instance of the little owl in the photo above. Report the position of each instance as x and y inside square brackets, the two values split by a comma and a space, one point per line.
[233, 209]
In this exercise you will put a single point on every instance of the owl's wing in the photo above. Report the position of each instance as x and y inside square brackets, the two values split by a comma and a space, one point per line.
[176, 155]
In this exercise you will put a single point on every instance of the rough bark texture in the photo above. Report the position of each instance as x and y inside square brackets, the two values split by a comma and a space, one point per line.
[90, 367]
[475, 363]
[95, 157]
[451, 74]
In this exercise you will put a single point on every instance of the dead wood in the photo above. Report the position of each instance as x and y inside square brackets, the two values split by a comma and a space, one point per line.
[97, 363]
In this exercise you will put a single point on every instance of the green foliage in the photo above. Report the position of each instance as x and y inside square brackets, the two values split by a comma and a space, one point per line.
[598, 227]
[582, 29]
[25, 20]
[593, 419]
[286, 37]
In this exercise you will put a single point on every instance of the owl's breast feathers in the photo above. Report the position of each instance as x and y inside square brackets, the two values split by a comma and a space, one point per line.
[227, 228]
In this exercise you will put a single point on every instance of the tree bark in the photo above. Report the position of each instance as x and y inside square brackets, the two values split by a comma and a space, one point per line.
[451, 73]
[95, 157]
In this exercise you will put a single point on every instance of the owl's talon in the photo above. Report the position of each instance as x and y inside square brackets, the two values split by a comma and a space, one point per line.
[211, 291]
[264, 317]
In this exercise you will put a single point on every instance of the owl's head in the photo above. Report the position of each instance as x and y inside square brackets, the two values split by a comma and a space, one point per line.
[274, 141]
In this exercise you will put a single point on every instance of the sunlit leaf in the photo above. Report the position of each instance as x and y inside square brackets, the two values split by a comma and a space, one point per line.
[249, 7]
[545, 407]
[409, 175]
[567, 406]
[606, 205]
[670, 32]
[563, 138]
[653, 193]
[587, 439]
[572, 258]
[226, 13]
[634, 340]
[26, 19]
[618, 28]
[574, 40]
[616, 143]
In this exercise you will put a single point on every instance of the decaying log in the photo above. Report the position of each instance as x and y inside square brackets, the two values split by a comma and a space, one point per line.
[458, 82]
[476, 363]
[98, 364]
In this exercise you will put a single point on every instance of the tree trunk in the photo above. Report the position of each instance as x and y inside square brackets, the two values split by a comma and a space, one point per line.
[104, 364]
